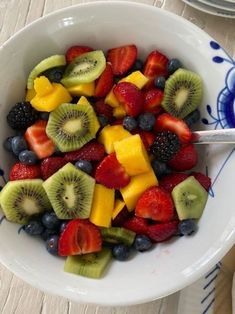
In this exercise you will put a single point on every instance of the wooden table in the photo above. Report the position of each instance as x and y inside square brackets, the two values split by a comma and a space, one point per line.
[15, 295]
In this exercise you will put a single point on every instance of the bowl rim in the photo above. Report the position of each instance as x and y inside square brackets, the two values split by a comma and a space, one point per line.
[218, 254]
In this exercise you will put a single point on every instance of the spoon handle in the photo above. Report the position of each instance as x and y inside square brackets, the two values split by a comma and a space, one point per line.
[224, 136]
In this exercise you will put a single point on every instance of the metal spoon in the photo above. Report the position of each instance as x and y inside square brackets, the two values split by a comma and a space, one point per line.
[224, 136]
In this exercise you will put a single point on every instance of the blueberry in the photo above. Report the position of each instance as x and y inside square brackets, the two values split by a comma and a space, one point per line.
[28, 157]
[142, 243]
[52, 244]
[160, 168]
[129, 123]
[103, 120]
[138, 65]
[187, 226]
[34, 227]
[121, 252]
[192, 118]
[54, 74]
[47, 233]
[146, 121]
[84, 165]
[18, 144]
[7, 144]
[50, 220]
[63, 226]
[44, 115]
[173, 65]
[159, 82]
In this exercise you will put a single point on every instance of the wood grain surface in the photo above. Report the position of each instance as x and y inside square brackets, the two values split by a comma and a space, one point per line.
[18, 297]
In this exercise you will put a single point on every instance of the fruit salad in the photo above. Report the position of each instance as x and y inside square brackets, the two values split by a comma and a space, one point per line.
[103, 155]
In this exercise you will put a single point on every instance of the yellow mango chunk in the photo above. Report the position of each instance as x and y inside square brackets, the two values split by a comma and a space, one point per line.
[132, 154]
[102, 206]
[118, 207]
[136, 78]
[111, 99]
[138, 184]
[42, 86]
[119, 112]
[30, 93]
[85, 89]
[83, 101]
[111, 134]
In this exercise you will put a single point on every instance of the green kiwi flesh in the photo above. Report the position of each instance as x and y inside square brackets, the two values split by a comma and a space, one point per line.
[190, 199]
[84, 69]
[71, 126]
[22, 199]
[183, 93]
[90, 265]
[46, 64]
[118, 235]
[70, 192]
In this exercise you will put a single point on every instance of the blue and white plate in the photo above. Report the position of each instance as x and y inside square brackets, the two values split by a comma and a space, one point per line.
[213, 8]
[220, 4]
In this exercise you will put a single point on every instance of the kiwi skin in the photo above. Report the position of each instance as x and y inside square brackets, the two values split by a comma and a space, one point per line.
[183, 93]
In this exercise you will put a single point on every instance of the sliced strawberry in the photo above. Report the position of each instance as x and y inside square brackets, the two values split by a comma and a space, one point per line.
[166, 122]
[155, 203]
[137, 224]
[92, 151]
[146, 137]
[122, 58]
[171, 180]
[50, 165]
[185, 159]
[79, 237]
[104, 82]
[111, 173]
[130, 97]
[38, 140]
[155, 65]
[152, 100]
[163, 231]
[102, 108]
[76, 51]
[204, 180]
[21, 171]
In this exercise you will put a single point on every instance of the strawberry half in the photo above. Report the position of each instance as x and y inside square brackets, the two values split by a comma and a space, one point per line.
[76, 51]
[146, 137]
[50, 165]
[156, 204]
[38, 140]
[166, 122]
[80, 236]
[102, 108]
[185, 159]
[204, 180]
[111, 173]
[92, 151]
[152, 100]
[171, 180]
[130, 97]
[137, 224]
[122, 58]
[163, 231]
[104, 82]
[21, 171]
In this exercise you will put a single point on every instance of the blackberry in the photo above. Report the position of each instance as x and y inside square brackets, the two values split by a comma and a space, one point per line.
[22, 115]
[165, 146]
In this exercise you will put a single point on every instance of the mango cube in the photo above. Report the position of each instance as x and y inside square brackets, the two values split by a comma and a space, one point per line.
[119, 112]
[111, 134]
[132, 154]
[138, 184]
[83, 101]
[136, 78]
[111, 99]
[30, 93]
[118, 207]
[42, 86]
[84, 89]
[102, 206]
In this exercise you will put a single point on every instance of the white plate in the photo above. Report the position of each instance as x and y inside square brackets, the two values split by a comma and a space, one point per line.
[219, 4]
[209, 9]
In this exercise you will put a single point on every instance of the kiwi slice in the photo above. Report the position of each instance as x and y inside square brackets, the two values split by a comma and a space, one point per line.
[190, 198]
[118, 235]
[84, 69]
[70, 192]
[22, 199]
[46, 64]
[183, 93]
[89, 265]
[71, 126]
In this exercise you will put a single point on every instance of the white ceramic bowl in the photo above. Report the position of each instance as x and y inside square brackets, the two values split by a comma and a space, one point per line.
[170, 266]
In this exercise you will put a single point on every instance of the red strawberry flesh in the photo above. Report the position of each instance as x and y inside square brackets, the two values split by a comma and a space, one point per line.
[20, 171]
[163, 231]
[152, 100]
[104, 82]
[137, 224]
[101, 108]
[185, 159]
[92, 151]
[204, 180]
[76, 51]
[50, 165]
[171, 180]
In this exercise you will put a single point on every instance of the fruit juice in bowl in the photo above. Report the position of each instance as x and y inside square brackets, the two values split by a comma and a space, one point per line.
[102, 170]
